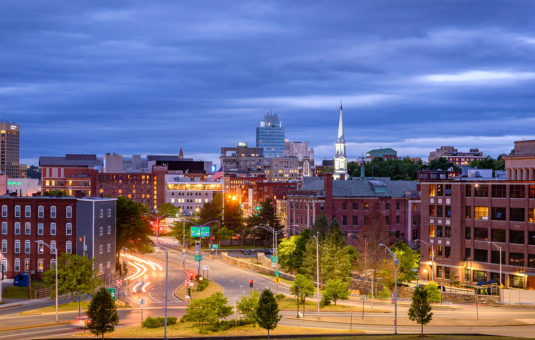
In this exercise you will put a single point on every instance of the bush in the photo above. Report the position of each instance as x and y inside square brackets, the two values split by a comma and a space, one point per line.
[433, 293]
[202, 285]
[385, 293]
[157, 322]
[280, 297]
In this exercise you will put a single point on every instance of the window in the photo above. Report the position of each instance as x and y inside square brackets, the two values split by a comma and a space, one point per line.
[4, 211]
[100, 249]
[387, 220]
[432, 190]
[498, 214]
[27, 211]
[495, 257]
[52, 228]
[68, 213]
[516, 236]
[344, 220]
[468, 190]
[68, 229]
[52, 247]
[68, 247]
[467, 253]
[531, 260]
[108, 213]
[439, 231]
[355, 206]
[481, 213]
[53, 211]
[516, 281]
[432, 211]
[108, 264]
[447, 252]
[344, 206]
[480, 255]
[101, 213]
[26, 265]
[516, 191]
[468, 213]
[516, 214]
[439, 211]
[27, 228]
[439, 271]
[40, 228]
[397, 219]
[516, 259]
[108, 248]
[40, 211]
[397, 205]
[499, 191]
[447, 232]
[481, 190]
[481, 234]
[109, 227]
[432, 230]
[100, 231]
[447, 192]
[40, 247]
[4, 264]
[17, 211]
[40, 266]
[467, 275]
[467, 233]
[498, 235]
[439, 251]
[480, 275]
[4, 228]
[17, 228]
[531, 215]
[17, 266]
[440, 192]
[448, 211]
[100, 269]
[27, 245]
[532, 191]
[531, 238]
[17, 246]
[4, 246]
[52, 263]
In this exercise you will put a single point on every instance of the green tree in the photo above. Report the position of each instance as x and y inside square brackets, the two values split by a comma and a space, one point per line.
[420, 310]
[210, 309]
[292, 251]
[102, 313]
[321, 225]
[247, 306]
[267, 311]
[335, 290]
[337, 259]
[167, 210]
[308, 264]
[75, 276]
[409, 260]
[223, 234]
[433, 292]
[302, 288]
[211, 211]
[133, 227]
[440, 163]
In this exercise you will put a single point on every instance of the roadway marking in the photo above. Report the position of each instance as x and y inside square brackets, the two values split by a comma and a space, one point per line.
[154, 298]
[232, 281]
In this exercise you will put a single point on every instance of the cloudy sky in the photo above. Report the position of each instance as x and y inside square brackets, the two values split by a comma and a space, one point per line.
[153, 76]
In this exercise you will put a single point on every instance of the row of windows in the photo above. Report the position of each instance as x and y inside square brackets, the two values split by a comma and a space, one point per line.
[499, 214]
[500, 190]
[40, 247]
[101, 248]
[515, 259]
[16, 265]
[499, 235]
[40, 228]
[440, 251]
[40, 211]
[439, 211]
[101, 213]
[101, 230]
[439, 190]
[439, 231]
[196, 200]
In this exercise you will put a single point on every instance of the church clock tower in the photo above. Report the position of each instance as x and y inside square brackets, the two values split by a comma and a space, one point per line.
[340, 160]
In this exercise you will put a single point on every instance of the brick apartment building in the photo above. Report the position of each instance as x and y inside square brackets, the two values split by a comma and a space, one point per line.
[350, 201]
[467, 222]
[26, 221]
[74, 174]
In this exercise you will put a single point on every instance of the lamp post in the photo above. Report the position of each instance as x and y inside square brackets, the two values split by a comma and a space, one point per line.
[275, 248]
[317, 267]
[165, 305]
[396, 261]
[56, 252]
[432, 258]
[500, 249]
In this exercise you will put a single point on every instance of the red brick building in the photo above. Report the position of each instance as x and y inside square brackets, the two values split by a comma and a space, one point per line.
[74, 174]
[468, 222]
[350, 201]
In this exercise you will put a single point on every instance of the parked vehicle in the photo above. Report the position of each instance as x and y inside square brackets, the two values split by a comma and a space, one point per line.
[21, 280]
[268, 251]
[246, 252]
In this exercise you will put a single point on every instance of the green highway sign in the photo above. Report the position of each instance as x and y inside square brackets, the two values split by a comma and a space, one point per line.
[214, 246]
[200, 231]
[112, 292]
[198, 258]
[274, 259]
[276, 273]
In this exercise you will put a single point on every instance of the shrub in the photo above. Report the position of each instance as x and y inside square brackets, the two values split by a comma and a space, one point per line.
[433, 293]
[280, 297]
[157, 322]
[202, 285]
[384, 293]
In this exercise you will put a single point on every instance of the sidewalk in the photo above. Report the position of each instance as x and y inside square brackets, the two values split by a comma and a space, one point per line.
[23, 302]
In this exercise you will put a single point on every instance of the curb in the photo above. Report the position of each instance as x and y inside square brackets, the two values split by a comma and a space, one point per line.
[9, 329]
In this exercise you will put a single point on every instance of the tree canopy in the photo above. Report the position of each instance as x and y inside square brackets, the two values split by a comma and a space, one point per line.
[102, 313]
[409, 261]
[133, 227]
[267, 311]
[420, 310]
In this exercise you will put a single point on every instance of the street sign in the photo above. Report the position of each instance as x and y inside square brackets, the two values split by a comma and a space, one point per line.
[277, 279]
[214, 246]
[197, 248]
[206, 267]
[274, 265]
[187, 282]
[119, 282]
[198, 258]
[191, 284]
[200, 231]
[142, 301]
[274, 259]
[276, 273]
[112, 292]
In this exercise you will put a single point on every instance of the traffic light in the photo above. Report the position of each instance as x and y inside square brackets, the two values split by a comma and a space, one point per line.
[191, 276]
[251, 283]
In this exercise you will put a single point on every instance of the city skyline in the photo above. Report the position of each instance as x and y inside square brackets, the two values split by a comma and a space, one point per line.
[143, 79]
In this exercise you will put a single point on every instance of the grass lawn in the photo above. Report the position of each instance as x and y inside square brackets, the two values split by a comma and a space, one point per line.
[12, 292]
[213, 287]
[438, 337]
[67, 307]
[290, 303]
[190, 330]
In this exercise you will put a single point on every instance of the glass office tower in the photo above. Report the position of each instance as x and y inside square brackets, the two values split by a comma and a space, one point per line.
[270, 136]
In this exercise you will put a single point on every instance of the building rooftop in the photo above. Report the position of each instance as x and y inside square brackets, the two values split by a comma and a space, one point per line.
[71, 160]
[362, 187]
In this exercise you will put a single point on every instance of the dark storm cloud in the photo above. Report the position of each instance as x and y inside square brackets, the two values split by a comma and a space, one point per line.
[150, 77]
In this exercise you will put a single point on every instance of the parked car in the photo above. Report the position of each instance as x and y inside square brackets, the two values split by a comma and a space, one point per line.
[246, 252]
[21, 280]
[268, 251]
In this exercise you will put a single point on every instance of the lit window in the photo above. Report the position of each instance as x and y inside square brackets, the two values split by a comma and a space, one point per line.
[40, 267]
[481, 213]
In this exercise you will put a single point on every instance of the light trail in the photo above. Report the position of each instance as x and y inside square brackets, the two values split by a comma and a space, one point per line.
[152, 264]
[136, 273]
[144, 289]
[134, 289]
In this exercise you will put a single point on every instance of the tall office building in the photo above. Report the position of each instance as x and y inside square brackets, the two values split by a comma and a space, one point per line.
[270, 136]
[9, 150]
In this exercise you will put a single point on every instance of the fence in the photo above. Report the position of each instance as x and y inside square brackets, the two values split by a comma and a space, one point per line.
[517, 296]
[41, 293]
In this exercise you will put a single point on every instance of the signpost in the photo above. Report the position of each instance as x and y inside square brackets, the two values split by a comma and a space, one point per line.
[113, 293]
[198, 258]
[277, 279]
[119, 283]
[141, 303]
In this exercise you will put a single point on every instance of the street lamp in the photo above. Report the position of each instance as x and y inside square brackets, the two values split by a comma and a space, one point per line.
[275, 232]
[56, 252]
[165, 308]
[432, 258]
[500, 249]
[317, 267]
[396, 261]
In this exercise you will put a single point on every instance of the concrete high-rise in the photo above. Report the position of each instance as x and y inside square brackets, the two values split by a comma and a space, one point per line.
[270, 136]
[9, 149]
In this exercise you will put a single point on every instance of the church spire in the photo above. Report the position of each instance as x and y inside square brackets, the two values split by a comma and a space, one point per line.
[340, 127]
[340, 160]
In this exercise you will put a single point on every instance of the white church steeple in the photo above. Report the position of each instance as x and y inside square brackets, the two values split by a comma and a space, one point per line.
[340, 160]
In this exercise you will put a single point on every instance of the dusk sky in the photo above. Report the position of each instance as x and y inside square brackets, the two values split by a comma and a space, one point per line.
[149, 77]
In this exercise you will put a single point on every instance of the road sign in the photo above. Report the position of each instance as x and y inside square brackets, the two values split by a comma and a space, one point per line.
[277, 279]
[188, 282]
[200, 231]
[276, 273]
[142, 301]
[206, 267]
[119, 282]
[274, 259]
[214, 246]
[197, 248]
[112, 292]
[274, 265]
[191, 284]
[198, 258]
